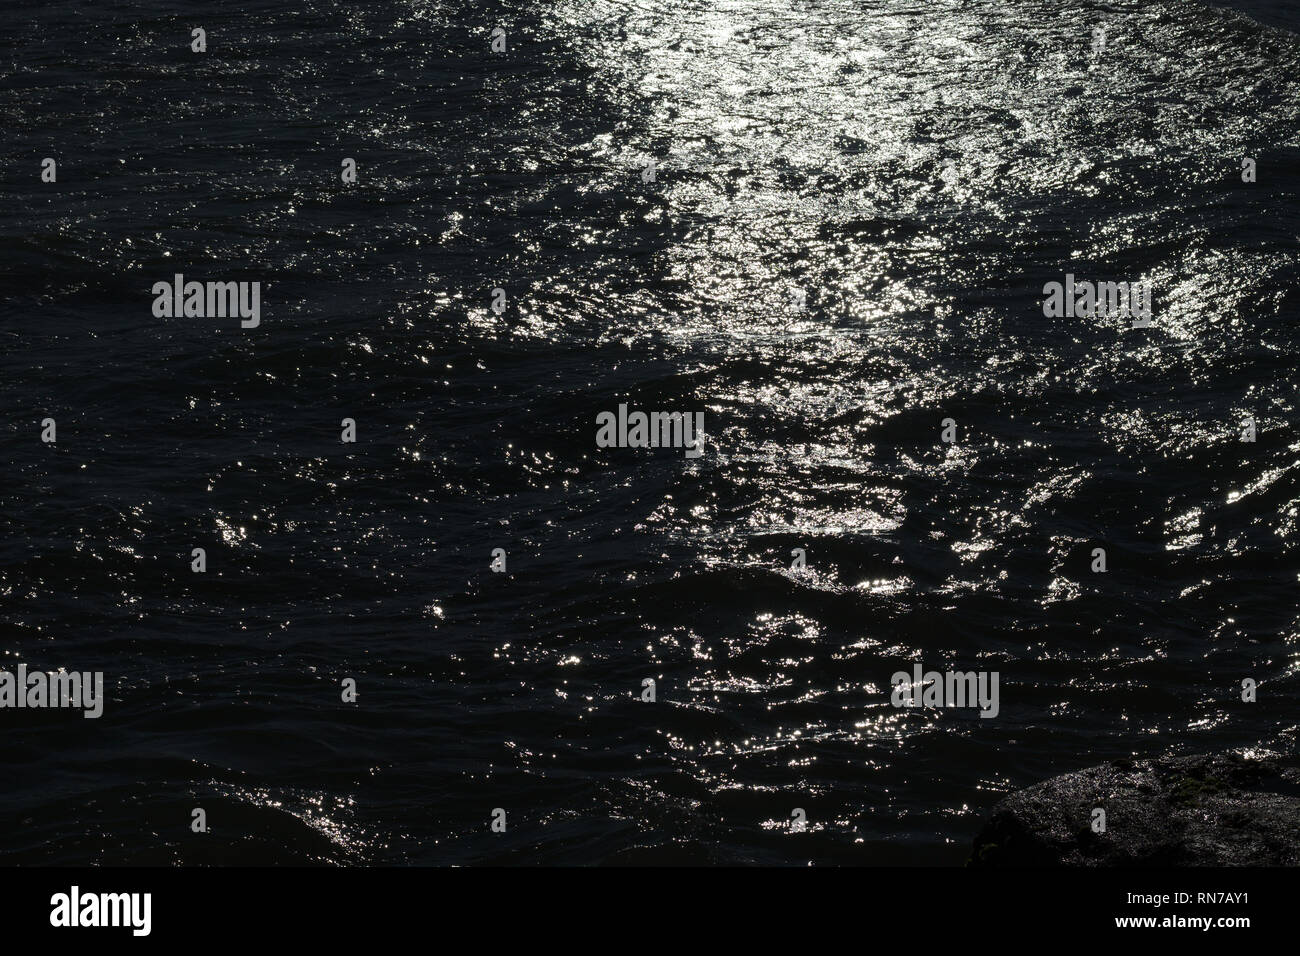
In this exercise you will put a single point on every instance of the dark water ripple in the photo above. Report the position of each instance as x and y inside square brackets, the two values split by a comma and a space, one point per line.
[918, 170]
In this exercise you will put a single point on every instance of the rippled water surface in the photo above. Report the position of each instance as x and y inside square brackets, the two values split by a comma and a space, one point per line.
[915, 172]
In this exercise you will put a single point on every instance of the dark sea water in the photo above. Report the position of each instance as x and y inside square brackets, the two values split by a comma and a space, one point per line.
[918, 169]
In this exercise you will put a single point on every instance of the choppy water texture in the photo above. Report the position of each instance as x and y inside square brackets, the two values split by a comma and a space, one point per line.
[919, 170]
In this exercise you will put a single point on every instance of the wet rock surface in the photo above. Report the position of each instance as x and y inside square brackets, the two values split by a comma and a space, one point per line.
[1207, 810]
